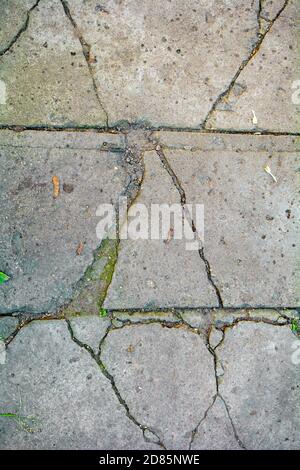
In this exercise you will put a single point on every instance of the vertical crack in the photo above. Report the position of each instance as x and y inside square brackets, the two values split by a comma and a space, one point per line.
[86, 49]
[182, 194]
[254, 50]
[21, 30]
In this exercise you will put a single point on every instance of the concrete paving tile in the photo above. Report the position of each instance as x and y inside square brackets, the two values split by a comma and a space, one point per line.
[152, 273]
[261, 384]
[43, 71]
[40, 234]
[251, 221]
[7, 326]
[166, 376]
[166, 65]
[215, 432]
[266, 85]
[270, 8]
[90, 329]
[48, 377]
[13, 18]
[85, 140]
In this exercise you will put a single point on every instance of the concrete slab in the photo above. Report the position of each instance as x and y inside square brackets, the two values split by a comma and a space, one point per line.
[268, 84]
[162, 385]
[40, 234]
[215, 432]
[43, 70]
[251, 221]
[261, 384]
[152, 273]
[7, 327]
[165, 65]
[13, 18]
[90, 330]
[48, 377]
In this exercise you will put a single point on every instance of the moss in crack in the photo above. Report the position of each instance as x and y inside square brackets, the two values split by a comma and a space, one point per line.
[91, 291]
[109, 251]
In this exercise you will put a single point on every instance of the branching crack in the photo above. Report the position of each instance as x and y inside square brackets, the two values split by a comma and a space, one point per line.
[86, 49]
[182, 194]
[261, 36]
[110, 378]
[21, 30]
[218, 394]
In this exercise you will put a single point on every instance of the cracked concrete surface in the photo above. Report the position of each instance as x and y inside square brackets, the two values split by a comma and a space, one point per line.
[143, 344]
[41, 234]
[116, 395]
[268, 78]
[48, 51]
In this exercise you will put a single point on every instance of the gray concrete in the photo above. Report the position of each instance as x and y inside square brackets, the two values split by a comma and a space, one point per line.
[257, 387]
[266, 84]
[153, 273]
[215, 431]
[144, 344]
[40, 234]
[48, 377]
[165, 65]
[46, 52]
[164, 383]
[160, 372]
[13, 17]
[251, 222]
[7, 326]
[90, 330]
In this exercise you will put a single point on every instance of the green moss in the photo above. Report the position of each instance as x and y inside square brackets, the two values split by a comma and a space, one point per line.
[109, 251]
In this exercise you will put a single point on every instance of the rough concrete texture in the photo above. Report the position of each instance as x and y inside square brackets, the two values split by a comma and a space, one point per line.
[158, 273]
[144, 391]
[268, 84]
[215, 431]
[90, 330]
[40, 234]
[47, 51]
[143, 344]
[251, 221]
[257, 387]
[7, 326]
[13, 18]
[153, 370]
[48, 377]
[165, 65]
